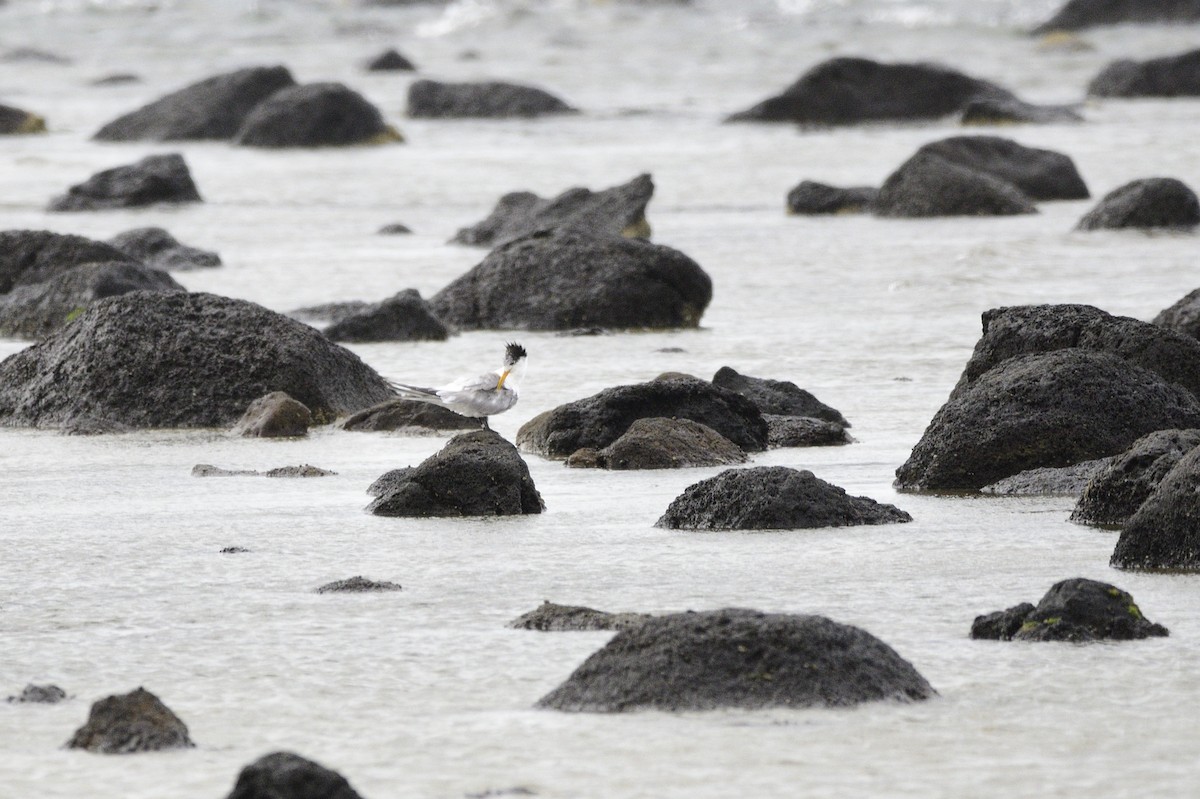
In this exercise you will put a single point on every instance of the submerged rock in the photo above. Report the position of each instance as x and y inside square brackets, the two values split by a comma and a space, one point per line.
[17, 121]
[284, 775]
[1010, 110]
[174, 359]
[35, 256]
[429, 99]
[565, 280]
[1171, 76]
[846, 91]
[357, 585]
[390, 60]
[777, 397]
[616, 211]
[154, 179]
[551, 617]
[1145, 203]
[660, 443]
[1080, 14]
[134, 722]
[303, 470]
[214, 108]
[1113, 495]
[1162, 534]
[928, 185]
[804, 431]
[274, 415]
[315, 115]
[1039, 174]
[402, 414]
[402, 317]
[475, 474]
[155, 247]
[812, 198]
[1064, 481]
[601, 419]
[738, 658]
[1077, 610]
[39, 694]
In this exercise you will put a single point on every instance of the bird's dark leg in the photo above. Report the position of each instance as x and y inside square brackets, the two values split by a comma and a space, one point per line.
[486, 426]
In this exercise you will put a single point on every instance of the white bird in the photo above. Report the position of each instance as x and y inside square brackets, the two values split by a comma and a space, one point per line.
[477, 397]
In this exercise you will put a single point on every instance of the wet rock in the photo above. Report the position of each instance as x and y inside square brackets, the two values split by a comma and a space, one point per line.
[214, 108]
[1145, 203]
[1043, 409]
[616, 211]
[1077, 610]
[330, 312]
[35, 256]
[234, 551]
[804, 431]
[274, 415]
[409, 415]
[1010, 110]
[154, 179]
[565, 280]
[1080, 14]
[155, 247]
[777, 397]
[402, 317]
[428, 99]
[846, 91]
[601, 419]
[39, 694]
[552, 617]
[35, 311]
[395, 229]
[116, 79]
[33, 55]
[315, 115]
[660, 443]
[929, 185]
[475, 474]
[1162, 534]
[738, 658]
[208, 470]
[134, 722]
[1182, 317]
[176, 359]
[390, 60]
[1039, 174]
[812, 198]
[772, 498]
[1065, 481]
[1113, 495]
[284, 775]
[357, 585]
[1171, 76]
[17, 121]
[303, 470]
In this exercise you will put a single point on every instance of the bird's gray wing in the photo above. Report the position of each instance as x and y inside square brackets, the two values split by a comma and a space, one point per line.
[485, 382]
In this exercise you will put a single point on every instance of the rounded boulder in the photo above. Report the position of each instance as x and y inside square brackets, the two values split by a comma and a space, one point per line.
[315, 115]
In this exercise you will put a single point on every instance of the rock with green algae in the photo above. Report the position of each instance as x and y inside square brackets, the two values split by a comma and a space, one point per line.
[1078, 610]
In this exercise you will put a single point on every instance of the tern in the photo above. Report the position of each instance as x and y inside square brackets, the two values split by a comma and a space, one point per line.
[477, 397]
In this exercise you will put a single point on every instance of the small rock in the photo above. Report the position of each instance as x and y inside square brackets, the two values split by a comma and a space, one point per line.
[777, 397]
[35, 256]
[804, 431]
[1172, 76]
[402, 317]
[395, 229]
[234, 551]
[1146, 203]
[390, 61]
[428, 99]
[1162, 534]
[154, 179]
[303, 470]
[274, 415]
[134, 722]
[17, 121]
[551, 617]
[1115, 493]
[39, 694]
[811, 198]
[315, 115]
[357, 585]
[1077, 610]
[284, 775]
[1064, 481]
[1001, 625]
[928, 185]
[661, 443]
[1039, 174]
[1010, 110]
[410, 416]
[155, 247]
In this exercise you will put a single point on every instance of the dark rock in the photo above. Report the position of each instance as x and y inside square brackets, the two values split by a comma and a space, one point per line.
[303, 470]
[35, 311]
[330, 312]
[402, 317]
[1145, 203]
[659, 443]
[772, 498]
[804, 431]
[1182, 317]
[390, 61]
[274, 415]
[601, 419]
[846, 91]
[154, 179]
[1039, 174]
[777, 397]
[1064, 481]
[116, 79]
[1172, 76]
[1010, 110]
[1043, 409]
[402, 414]
[174, 359]
[214, 108]
[33, 55]
[357, 585]
[565, 280]
[284, 775]
[930, 185]
[1117, 491]
[155, 247]
[234, 551]
[134, 722]
[315, 115]
[616, 211]
[395, 229]
[476, 474]
[208, 470]
[428, 99]
[1077, 610]
[39, 694]
[1162, 534]
[35, 256]
[1080, 14]
[550, 617]
[738, 658]
[17, 121]
[812, 198]
[1001, 625]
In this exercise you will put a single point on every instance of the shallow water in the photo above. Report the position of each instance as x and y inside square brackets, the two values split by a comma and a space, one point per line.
[112, 576]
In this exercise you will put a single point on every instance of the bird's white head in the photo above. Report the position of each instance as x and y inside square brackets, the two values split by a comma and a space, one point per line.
[514, 366]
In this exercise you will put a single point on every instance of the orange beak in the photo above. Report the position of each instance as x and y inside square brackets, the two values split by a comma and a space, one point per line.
[503, 377]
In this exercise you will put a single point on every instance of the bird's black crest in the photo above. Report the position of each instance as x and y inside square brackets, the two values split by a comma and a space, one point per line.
[514, 352]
